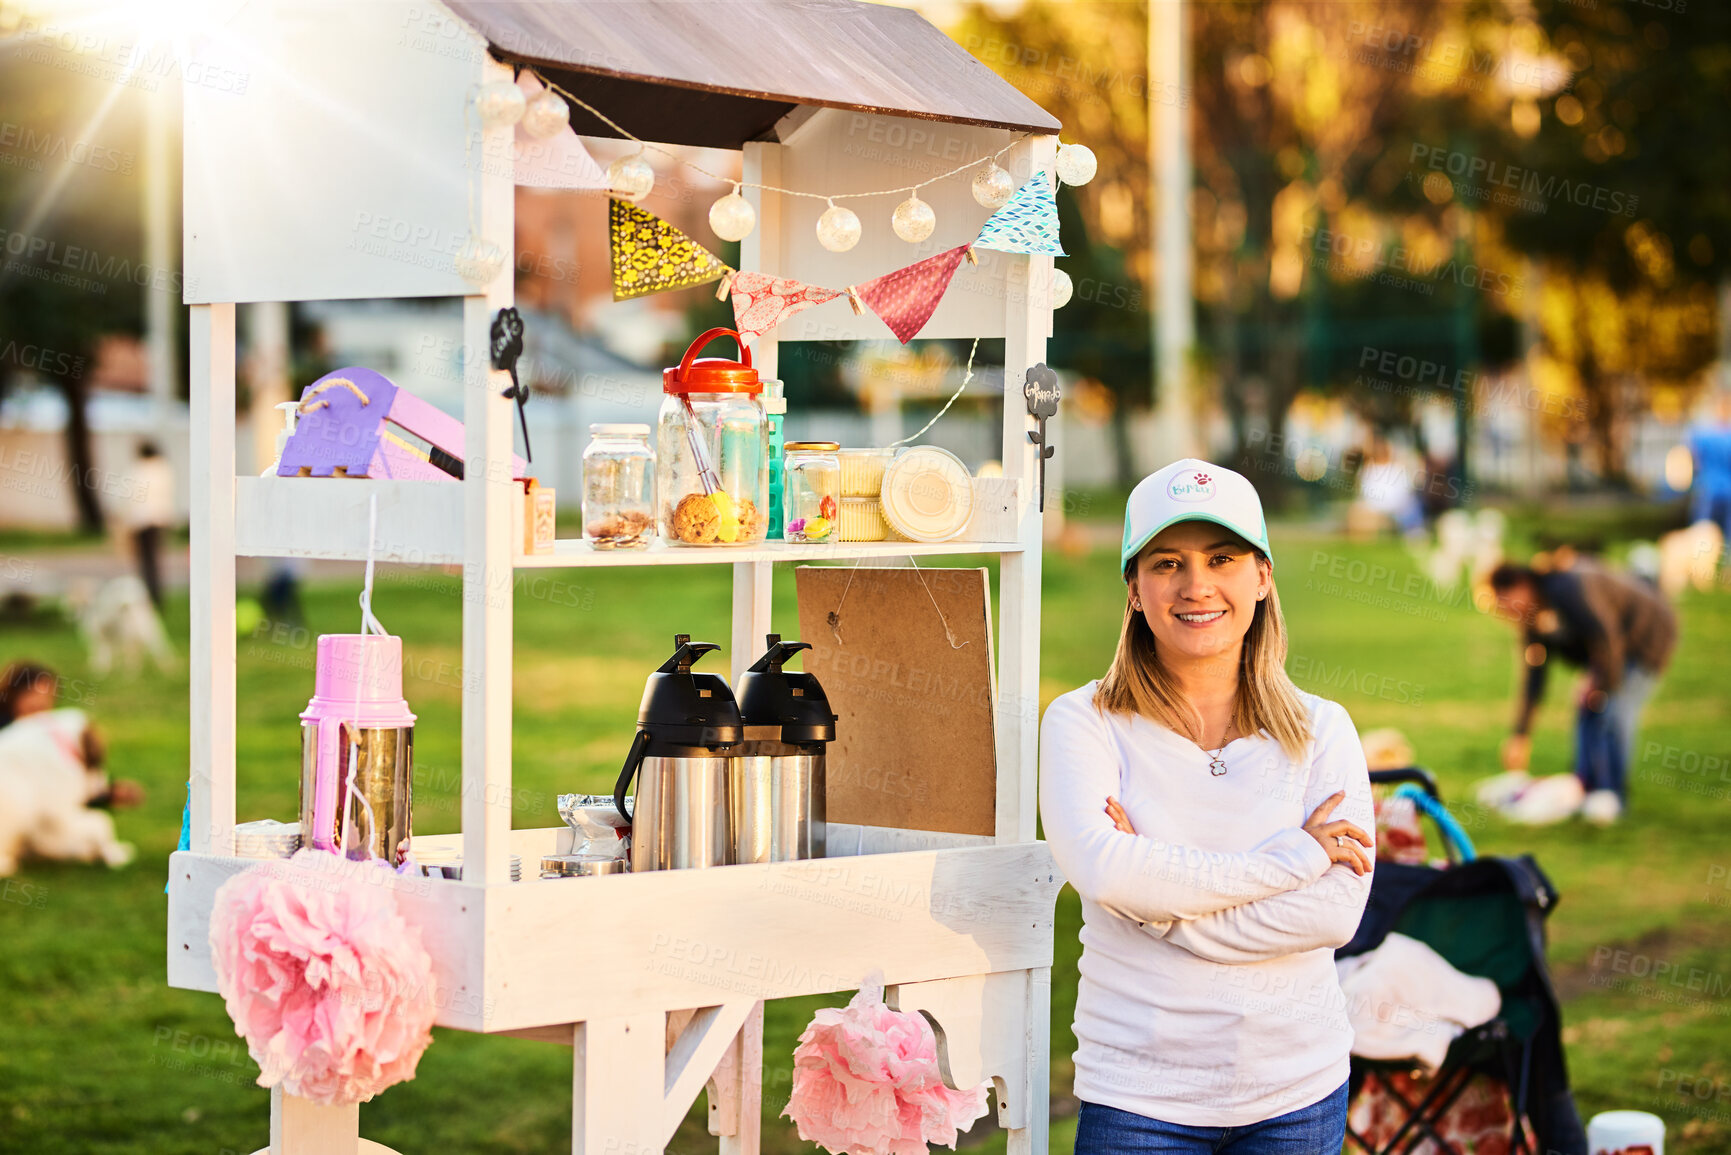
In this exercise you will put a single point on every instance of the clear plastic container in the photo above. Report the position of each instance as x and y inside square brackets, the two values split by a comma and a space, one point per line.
[618, 487]
[811, 487]
[862, 471]
[712, 451]
[862, 519]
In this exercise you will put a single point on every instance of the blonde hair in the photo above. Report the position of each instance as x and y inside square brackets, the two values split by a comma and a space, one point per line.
[1267, 700]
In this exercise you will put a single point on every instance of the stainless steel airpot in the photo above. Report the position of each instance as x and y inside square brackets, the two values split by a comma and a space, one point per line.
[688, 729]
[775, 792]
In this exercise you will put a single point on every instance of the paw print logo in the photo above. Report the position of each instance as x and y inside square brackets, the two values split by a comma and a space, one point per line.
[1203, 479]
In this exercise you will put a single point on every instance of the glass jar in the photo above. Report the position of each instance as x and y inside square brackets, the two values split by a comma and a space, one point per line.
[711, 450]
[811, 484]
[618, 487]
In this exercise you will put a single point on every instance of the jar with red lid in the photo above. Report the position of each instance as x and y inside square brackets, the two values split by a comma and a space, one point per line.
[712, 450]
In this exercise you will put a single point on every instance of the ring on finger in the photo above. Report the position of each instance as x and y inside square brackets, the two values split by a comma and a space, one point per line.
[1340, 840]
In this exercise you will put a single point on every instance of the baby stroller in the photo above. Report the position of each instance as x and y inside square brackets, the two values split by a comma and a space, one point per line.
[1486, 918]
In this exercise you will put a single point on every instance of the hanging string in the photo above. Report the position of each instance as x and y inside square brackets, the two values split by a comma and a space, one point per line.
[693, 165]
[834, 617]
[949, 634]
[966, 377]
[369, 625]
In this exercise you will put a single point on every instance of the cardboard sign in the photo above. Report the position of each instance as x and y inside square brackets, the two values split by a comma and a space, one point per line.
[905, 657]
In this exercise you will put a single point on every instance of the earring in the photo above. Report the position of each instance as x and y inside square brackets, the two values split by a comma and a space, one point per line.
[1136, 606]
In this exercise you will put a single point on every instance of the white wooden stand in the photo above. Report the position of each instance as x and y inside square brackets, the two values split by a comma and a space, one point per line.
[656, 980]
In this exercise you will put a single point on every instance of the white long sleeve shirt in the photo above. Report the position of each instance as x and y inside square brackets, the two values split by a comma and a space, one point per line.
[1208, 992]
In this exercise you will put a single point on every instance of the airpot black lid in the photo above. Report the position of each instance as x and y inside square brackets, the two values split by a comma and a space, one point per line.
[688, 709]
[772, 696]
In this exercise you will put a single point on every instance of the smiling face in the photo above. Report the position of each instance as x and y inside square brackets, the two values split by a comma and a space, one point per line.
[1198, 585]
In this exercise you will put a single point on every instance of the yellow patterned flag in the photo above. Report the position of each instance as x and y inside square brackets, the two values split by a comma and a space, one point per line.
[650, 255]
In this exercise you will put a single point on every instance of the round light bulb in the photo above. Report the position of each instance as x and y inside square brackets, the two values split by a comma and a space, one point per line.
[1076, 164]
[838, 229]
[914, 219]
[547, 115]
[631, 177]
[1062, 288]
[732, 218]
[479, 261]
[993, 187]
[500, 103]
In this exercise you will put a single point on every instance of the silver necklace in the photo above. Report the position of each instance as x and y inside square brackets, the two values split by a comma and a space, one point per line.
[1217, 760]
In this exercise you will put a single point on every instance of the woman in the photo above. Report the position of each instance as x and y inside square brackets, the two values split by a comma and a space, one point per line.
[1190, 798]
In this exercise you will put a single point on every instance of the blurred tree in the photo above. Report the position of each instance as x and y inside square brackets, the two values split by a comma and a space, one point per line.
[1624, 182]
[1086, 63]
[70, 223]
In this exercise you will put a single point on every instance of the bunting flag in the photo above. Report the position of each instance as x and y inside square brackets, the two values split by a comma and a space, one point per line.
[1028, 222]
[761, 302]
[650, 255]
[906, 298]
[560, 161]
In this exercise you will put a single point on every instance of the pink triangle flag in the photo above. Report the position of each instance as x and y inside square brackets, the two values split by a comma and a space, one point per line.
[560, 161]
[761, 302]
[906, 298]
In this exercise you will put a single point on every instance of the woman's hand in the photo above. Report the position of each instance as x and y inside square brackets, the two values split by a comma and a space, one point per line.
[1337, 838]
[1119, 819]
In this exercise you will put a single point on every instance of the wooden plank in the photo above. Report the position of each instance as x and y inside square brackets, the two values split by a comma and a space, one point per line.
[683, 938]
[488, 495]
[301, 1127]
[569, 554]
[449, 915]
[846, 840]
[1027, 321]
[259, 225]
[212, 644]
[420, 522]
[694, 1056]
[751, 614]
[736, 1093]
[616, 1084]
[981, 1026]
[840, 55]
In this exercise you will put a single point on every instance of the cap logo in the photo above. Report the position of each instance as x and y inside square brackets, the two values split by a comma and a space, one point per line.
[1193, 486]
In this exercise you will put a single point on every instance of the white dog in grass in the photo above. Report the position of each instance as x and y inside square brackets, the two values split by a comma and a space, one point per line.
[117, 620]
[44, 791]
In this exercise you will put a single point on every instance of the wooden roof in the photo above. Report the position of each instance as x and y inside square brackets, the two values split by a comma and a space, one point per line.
[721, 72]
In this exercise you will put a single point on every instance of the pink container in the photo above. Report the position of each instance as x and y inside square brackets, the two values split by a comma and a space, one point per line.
[357, 716]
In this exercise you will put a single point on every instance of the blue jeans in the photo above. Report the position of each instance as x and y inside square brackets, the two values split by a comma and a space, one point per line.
[1605, 738]
[1318, 1129]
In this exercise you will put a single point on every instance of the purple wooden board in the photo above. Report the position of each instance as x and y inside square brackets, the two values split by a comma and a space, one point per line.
[344, 433]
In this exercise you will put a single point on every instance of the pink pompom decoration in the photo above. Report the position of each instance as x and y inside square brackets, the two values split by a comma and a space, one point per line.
[866, 1082]
[331, 989]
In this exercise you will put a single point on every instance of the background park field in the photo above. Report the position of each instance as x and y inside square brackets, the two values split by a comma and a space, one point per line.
[99, 1056]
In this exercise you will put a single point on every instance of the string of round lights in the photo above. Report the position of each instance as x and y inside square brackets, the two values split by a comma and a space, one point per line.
[838, 228]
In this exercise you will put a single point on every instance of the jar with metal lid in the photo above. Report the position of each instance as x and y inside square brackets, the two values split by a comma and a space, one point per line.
[811, 487]
[618, 487]
[711, 450]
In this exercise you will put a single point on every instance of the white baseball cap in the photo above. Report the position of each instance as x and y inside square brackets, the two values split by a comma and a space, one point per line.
[1191, 490]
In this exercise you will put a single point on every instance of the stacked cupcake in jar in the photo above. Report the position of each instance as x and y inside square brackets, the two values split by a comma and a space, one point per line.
[862, 479]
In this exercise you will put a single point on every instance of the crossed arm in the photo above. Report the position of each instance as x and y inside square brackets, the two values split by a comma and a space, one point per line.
[1284, 897]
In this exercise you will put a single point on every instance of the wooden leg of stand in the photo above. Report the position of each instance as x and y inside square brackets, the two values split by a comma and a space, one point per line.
[616, 1091]
[301, 1127]
[736, 1090]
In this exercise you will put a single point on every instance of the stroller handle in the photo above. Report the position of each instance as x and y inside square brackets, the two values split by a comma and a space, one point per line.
[1417, 775]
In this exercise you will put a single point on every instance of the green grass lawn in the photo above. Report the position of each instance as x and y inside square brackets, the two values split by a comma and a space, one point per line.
[97, 1055]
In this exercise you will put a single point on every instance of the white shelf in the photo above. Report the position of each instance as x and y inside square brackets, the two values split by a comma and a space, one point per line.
[579, 948]
[421, 523]
[578, 553]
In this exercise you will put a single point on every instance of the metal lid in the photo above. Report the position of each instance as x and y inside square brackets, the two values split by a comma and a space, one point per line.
[812, 446]
[712, 374]
[625, 430]
[580, 865]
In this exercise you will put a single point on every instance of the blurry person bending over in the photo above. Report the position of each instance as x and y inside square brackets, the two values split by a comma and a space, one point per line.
[1618, 629]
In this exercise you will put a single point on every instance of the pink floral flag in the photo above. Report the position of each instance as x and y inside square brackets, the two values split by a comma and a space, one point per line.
[907, 298]
[761, 302]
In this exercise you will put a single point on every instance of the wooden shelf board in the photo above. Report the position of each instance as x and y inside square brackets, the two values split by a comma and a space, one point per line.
[540, 952]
